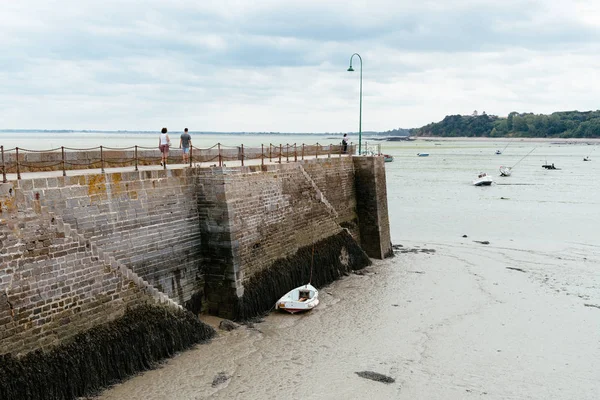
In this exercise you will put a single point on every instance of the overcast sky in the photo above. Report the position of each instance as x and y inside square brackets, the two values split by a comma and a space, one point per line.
[274, 65]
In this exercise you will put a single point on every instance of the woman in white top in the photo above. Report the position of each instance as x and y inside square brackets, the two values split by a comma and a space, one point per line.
[163, 145]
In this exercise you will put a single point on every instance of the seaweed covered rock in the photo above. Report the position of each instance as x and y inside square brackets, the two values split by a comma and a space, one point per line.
[103, 355]
[228, 325]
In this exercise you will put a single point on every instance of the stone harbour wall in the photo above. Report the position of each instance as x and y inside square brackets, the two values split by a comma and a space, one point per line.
[271, 213]
[371, 200]
[77, 251]
[147, 221]
[52, 285]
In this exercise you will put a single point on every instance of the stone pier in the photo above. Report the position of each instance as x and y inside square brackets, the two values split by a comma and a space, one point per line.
[78, 251]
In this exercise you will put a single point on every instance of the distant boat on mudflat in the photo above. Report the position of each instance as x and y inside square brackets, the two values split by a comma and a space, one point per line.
[483, 179]
[423, 154]
[549, 166]
[505, 171]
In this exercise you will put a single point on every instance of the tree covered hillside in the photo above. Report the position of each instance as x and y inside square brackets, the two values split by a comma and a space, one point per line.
[564, 124]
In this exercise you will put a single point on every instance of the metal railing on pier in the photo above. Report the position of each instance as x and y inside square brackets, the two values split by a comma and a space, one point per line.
[19, 160]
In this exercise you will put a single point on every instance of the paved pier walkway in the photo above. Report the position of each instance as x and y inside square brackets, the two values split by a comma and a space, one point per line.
[91, 171]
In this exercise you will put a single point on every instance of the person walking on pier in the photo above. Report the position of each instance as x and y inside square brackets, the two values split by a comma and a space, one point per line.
[163, 145]
[345, 143]
[184, 144]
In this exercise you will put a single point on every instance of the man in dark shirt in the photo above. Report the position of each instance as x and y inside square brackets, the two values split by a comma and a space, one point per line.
[184, 143]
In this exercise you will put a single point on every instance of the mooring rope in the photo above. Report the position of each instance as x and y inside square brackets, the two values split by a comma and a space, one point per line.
[523, 158]
[312, 259]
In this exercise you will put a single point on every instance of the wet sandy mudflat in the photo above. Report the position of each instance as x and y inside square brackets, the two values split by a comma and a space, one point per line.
[517, 318]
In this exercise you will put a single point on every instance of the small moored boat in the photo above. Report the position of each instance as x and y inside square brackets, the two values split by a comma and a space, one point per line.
[423, 154]
[505, 171]
[483, 179]
[549, 166]
[388, 158]
[302, 298]
[498, 152]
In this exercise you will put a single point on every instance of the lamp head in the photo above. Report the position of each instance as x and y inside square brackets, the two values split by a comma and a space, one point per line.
[351, 69]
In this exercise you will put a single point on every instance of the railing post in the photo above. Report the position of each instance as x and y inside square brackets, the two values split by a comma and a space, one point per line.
[287, 152]
[295, 153]
[262, 154]
[191, 156]
[317, 150]
[303, 151]
[329, 150]
[101, 160]
[18, 166]
[280, 151]
[270, 154]
[62, 149]
[135, 156]
[3, 166]
[220, 159]
[242, 154]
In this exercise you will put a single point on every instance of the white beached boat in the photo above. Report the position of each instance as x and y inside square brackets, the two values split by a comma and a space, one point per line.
[302, 298]
[483, 179]
[505, 171]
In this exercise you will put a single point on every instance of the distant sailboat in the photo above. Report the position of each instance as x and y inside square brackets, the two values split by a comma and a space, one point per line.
[502, 151]
[507, 171]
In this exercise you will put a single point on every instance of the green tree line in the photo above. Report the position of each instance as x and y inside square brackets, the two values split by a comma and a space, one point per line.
[563, 124]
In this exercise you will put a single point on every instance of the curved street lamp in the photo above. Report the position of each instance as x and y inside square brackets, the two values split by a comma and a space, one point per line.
[360, 108]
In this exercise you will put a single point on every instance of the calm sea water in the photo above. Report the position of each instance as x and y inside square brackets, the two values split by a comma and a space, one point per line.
[515, 318]
[432, 198]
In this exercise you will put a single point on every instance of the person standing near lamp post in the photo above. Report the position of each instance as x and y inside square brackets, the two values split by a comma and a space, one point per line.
[184, 144]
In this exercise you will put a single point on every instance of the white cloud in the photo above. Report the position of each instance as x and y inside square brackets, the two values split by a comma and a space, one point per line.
[281, 66]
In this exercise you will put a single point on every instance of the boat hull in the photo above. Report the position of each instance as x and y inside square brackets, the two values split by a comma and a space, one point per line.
[483, 181]
[293, 308]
